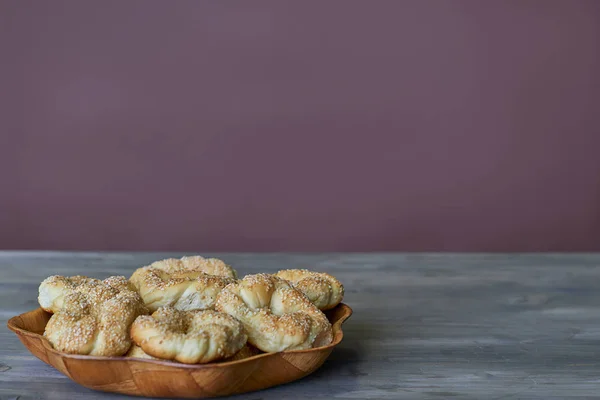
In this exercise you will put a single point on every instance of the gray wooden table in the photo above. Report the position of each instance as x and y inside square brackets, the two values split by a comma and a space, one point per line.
[424, 325]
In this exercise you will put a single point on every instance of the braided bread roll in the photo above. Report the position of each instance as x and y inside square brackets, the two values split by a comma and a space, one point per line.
[211, 266]
[190, 337]
[90, 316]
[247, 351]
[53, 289]
[190, 283]
[276, 316]
[324, 290]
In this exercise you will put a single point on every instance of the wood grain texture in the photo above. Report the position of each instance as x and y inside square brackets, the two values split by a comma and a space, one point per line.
[424, 325]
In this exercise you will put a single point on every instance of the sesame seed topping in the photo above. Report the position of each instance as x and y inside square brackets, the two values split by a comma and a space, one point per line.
[90, 316]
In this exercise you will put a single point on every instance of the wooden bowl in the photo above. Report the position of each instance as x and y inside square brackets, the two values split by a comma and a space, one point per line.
[152, 378]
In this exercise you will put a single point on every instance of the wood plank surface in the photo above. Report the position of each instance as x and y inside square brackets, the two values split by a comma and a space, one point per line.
[460, 326]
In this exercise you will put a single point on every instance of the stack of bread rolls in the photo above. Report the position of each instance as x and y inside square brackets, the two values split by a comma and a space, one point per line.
[192, 310]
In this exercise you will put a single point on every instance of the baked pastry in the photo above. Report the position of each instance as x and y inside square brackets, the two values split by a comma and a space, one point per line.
[247, 351]
[52, 290]
[276, 316]
[190, 337]
[324, 290]
[183, 289]
[90, 316]
[211, 266]
[136, 351]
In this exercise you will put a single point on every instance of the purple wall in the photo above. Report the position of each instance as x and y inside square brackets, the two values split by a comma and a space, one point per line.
[307, 125]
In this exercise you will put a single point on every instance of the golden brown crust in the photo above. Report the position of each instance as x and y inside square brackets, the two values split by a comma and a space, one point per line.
[211, 266]
[92, 317]
[170, 283]
[136, 351]
[324, 290]
[190, 337]
[53, 289]
[276, 316]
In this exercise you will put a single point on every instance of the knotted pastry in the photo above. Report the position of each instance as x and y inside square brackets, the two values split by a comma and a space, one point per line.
[211, 266]
[324, 290]
[191, 283]
[190, 337]
[91, 317]
[276, 316]
[247, 351]
[52, 290]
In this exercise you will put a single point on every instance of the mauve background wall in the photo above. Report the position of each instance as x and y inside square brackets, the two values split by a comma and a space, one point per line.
[304, 126]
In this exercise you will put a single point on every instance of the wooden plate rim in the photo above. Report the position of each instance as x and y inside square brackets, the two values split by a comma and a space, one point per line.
[345, 310]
